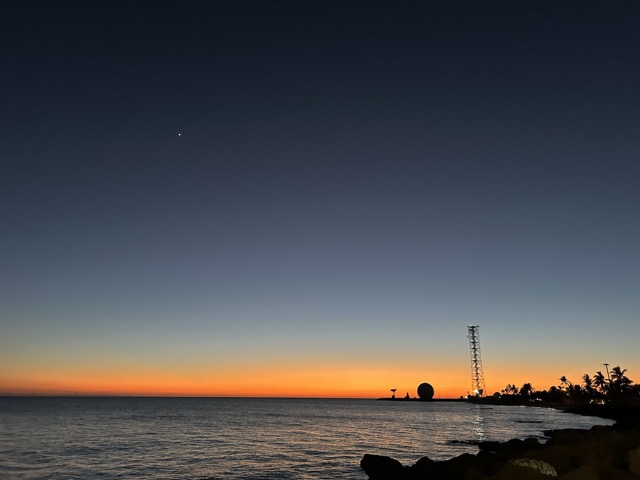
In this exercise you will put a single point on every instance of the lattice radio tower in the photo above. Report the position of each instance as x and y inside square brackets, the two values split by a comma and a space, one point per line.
[477, 377]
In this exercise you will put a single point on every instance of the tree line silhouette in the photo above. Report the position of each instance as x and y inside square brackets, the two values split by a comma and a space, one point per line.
[615, 387]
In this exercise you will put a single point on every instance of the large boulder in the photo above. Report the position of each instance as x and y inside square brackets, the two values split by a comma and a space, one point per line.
[538, 465]
[585, 472]
[634, 462]
[513, 471]
[515, 445]
[380, 467]
[452, 469]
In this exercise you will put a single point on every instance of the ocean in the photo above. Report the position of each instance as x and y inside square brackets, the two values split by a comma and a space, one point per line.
[246, 438]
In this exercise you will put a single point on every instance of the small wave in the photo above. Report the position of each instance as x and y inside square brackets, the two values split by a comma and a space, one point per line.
[82, 450]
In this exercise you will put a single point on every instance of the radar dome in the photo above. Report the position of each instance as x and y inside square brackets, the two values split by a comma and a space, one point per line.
[425, 391]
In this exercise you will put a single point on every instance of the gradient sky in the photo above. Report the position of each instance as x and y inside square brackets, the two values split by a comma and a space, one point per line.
[355, 183]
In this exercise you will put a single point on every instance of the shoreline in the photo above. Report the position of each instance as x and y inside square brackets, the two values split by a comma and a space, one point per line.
[601, 452]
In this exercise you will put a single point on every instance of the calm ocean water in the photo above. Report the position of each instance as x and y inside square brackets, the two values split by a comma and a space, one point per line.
[214, 438]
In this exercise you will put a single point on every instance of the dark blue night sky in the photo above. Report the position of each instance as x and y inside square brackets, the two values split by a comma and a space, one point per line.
[243, 181]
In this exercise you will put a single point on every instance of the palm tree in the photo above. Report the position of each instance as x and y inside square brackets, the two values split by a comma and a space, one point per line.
[554, 394]
[526, 390]
[619, 381]
[510, 390]
[600, 382]
[564, 383]
[588, 384]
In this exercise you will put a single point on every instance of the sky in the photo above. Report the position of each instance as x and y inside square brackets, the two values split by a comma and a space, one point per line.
[283, 198]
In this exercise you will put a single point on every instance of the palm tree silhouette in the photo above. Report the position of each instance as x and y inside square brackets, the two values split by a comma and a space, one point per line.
[600, 382]
[526, 390]
[564, 383]
[588, 384]
[619, 381]
[510, 390]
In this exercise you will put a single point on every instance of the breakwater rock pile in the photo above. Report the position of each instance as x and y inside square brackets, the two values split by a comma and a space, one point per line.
[611, 453]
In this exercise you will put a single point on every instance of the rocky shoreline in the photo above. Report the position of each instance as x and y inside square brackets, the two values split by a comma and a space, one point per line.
[601, 453]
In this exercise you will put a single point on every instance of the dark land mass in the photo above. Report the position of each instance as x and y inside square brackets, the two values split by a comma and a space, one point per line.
[416, 399]
[601, 453]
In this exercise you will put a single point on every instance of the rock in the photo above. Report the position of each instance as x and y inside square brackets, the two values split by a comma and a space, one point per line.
[569, 435]
[561, 457]
[586, 472]
[425, 463]
[473, 475]
[602, 459]
[634, 462]
[617, 474]
[539, 465]
[379, 467]
[453, 468]
[518, 472]
[607, 453]
[490, 446]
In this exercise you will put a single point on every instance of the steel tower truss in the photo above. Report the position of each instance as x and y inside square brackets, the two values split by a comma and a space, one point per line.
[477, 377]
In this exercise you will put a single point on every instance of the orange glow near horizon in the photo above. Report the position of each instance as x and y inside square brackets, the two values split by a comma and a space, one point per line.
[269, 380]
[281, 384]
